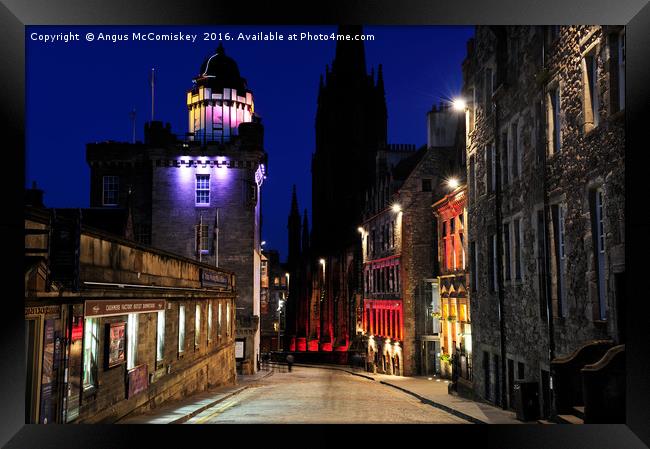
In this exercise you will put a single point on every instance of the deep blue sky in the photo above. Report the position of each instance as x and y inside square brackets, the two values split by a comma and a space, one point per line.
[80, 92]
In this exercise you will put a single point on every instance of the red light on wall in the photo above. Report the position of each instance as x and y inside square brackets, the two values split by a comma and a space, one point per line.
[302, 344]
[77, 331]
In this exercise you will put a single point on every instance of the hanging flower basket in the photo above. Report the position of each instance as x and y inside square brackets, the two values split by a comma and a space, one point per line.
[436, 315]
[445, 358]
[451, 318]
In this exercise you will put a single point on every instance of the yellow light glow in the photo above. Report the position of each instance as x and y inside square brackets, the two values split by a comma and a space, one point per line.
[453, 183]
[459, 104]
[397, 208]
[322, 261]
[360, 229]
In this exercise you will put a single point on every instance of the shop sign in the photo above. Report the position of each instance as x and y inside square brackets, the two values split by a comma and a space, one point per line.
[103, 307]
[211, 278]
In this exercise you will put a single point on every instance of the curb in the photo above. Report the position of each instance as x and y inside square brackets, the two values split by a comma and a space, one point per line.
[442, 407]
[192, 414]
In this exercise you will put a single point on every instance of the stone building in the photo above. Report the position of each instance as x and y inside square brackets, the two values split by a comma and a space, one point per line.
[275, 281]
[114, 327]
[545, 164]
[453, 262]
[197, 195]
[350, 127]
[399, 248]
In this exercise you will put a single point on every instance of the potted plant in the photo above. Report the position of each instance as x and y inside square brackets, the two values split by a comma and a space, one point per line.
[445, 358]
[436, 315]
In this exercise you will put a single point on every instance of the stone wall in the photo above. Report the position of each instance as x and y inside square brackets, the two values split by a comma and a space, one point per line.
[586, 160]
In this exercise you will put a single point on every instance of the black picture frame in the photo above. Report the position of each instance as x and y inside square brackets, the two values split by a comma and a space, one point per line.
[15, 14]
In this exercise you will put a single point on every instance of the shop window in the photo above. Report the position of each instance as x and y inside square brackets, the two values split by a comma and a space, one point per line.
[132, 341]
[210, 321]
[91, 345]
[197, 326]
[181, 329]
[160, 336]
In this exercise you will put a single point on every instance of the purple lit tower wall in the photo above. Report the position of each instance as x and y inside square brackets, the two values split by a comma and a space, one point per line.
[198, 195]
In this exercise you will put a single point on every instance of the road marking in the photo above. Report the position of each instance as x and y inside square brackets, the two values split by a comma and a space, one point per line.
[222, 408]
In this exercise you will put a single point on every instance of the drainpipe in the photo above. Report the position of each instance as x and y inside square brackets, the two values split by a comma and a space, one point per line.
[547, 214]
[498, 224]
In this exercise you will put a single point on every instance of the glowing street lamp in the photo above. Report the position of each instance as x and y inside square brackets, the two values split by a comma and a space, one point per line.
[459, 105]
[397, 208]
[453, 183]
[360, 229]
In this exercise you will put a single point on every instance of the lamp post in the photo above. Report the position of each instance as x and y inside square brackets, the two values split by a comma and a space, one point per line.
[281, 303]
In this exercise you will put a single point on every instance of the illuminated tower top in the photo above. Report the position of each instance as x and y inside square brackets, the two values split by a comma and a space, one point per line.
[219, 100]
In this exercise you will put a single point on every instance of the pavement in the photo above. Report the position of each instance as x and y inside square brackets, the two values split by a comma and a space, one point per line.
[178, 412]
[433, 391]
[428, 390]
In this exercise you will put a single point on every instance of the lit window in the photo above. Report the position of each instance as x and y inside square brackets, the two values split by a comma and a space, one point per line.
[219, 320]
[91, 343]
[210, 321]
[228, 319]
[160, 336]
[132, 341]
[110, 196]
[202, 190]
[202, 238]
[197, 325]
[590, 92]
[181, 328]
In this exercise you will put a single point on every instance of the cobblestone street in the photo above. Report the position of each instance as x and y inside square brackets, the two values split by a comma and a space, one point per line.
[314, 395]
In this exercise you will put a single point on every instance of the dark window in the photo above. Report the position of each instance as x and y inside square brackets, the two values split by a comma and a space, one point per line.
[474, 264]
[426, 185]
[504, 159]
[557, 212]
[492, 262]
[520, 370]
[598, 232]
[517, 238]
[488, 89]
[111, 189]
[506, 250]
[515, 149]
[472, 178]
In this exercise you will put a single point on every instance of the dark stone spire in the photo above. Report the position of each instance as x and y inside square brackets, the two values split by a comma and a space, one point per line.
[294, 232]
[305, 233]
[350, 57]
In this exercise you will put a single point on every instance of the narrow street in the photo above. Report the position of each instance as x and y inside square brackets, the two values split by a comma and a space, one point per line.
[314, 395]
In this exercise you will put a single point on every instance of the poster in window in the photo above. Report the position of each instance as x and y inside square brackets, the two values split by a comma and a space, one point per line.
[116, 342]
[239, 349]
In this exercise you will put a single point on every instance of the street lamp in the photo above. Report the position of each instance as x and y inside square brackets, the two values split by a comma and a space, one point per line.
[396, 208]
[453, 183]
[459, 104]
[281, 303]
[360, 229]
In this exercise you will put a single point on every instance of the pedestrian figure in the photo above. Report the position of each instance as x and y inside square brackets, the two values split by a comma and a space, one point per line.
[289, 361]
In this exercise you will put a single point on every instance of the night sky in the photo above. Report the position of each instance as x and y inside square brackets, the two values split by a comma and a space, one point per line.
[80, 92]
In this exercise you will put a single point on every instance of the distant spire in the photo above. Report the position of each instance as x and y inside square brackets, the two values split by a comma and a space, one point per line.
[221, 50]
[294, 201]
[305, 233]
[350, 57]
[293, 226]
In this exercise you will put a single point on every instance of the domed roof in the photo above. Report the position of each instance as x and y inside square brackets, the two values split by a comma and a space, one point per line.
[220, 71]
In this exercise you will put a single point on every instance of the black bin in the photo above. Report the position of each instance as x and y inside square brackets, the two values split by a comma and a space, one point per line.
[527, 400]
